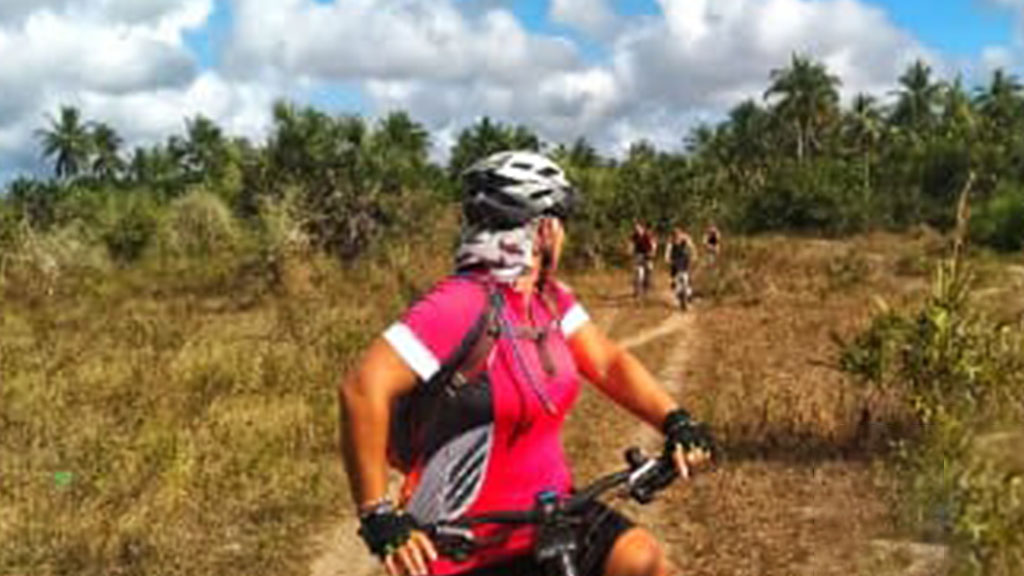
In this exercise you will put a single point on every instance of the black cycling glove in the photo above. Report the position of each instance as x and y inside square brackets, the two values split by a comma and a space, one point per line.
[681, 430]
[385, 530]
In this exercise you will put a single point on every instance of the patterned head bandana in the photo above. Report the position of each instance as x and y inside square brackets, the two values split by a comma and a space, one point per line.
[505, 255]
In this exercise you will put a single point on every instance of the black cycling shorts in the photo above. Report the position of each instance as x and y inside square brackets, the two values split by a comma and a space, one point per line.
[600, 528]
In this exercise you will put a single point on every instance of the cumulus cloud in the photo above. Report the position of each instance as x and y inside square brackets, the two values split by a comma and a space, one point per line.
[694, 61]
[242, 109]
[595, 17]
[57, 51]
[120, 61]
[389, 40]
[447, 62]
[712, 54]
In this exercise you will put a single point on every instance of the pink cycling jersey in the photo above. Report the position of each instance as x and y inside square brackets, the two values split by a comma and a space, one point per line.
[504, 445]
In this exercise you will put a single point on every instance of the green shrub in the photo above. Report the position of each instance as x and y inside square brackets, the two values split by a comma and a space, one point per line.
[820, 197]
[199, 225]
[961, 376]
[131, 223]
[999, 222]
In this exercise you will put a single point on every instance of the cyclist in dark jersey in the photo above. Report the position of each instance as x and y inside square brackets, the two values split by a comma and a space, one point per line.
[644, 246]
[498, 442]
[680, 254]
[712, 243]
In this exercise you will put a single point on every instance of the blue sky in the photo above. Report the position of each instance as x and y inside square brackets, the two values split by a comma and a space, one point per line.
[960, 30]
[960, 27]
[613, 71]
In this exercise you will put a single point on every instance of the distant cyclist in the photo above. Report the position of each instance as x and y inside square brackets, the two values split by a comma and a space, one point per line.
[712, 244]
[681, 254]
[644, 245]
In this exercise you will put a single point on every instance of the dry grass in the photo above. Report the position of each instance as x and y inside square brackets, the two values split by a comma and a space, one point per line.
[800, 490]
[145, 430]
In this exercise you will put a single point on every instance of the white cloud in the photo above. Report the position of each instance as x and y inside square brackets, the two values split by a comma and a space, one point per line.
[712, 53]
[242, 109]
[447, 62]
[996, 57]
[57, 51]
[120, 61]
[595, 17]
[389, 40]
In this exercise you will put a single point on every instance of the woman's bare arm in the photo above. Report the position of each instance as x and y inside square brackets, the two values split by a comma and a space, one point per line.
[366, 395]
[617, 373]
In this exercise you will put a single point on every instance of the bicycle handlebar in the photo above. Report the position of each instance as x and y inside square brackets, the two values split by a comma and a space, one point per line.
[643, 478]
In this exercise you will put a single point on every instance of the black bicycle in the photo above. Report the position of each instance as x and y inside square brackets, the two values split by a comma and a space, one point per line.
[556, 516]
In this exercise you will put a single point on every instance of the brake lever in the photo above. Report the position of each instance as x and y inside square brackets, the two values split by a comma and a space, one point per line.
[649, 476]
[455, 542]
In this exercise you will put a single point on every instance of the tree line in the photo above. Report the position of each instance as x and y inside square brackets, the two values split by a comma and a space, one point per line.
[796, 159]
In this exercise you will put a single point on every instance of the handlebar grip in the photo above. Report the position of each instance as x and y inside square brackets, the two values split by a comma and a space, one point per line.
[635, 457]
[650, 475]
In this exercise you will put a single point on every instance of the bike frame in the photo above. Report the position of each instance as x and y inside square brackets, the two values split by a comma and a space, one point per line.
[643, 268]
[554, 515]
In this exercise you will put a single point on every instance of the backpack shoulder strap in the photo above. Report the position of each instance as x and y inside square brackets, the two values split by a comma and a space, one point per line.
[473, 349]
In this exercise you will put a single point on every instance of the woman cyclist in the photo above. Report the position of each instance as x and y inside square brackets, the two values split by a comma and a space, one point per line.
[495, 441]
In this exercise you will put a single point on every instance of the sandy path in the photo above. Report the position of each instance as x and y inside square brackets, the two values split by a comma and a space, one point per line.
[748, 518]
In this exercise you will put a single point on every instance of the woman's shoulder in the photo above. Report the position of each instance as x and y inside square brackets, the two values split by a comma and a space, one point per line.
[444, 312]
[453, 291]
[564, 295]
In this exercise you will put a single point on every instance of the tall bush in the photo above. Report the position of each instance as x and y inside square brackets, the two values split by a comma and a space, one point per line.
[999, 222]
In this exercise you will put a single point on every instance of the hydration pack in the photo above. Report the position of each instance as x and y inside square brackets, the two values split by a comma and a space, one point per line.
[417, 416]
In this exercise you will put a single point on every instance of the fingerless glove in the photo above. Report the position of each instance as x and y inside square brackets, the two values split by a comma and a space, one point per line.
[385, 529]
[681, 430]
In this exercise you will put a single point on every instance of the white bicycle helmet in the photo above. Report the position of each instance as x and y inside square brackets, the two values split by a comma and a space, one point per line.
[508, 189]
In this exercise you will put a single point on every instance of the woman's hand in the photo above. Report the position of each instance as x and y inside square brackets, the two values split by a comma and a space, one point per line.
[412, 557]
[689, 442]
[690, 461]
[392, 536]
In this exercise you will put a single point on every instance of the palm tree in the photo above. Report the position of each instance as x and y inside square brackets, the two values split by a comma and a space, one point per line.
[808, 100]
[106, 163]
[699, 139]
[958, 117]
[864, 126]
[747, 130]
[522, 138]
[1001, 103]
[487, 137]
[399, 147]
[398, 133]
[301, 143]
[203, 150]
[583, 155]
[708, 148]
[66, 142]
[157, 168]
[918, 95]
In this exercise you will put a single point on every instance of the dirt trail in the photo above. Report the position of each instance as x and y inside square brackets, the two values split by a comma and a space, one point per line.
[676, 322]
[755, 517]
[765, 517]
